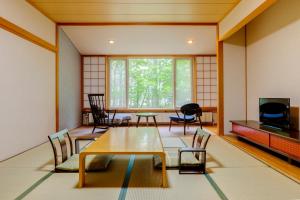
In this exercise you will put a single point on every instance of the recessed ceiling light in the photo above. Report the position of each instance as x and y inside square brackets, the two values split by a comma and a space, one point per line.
[190, 41]
[111, 41]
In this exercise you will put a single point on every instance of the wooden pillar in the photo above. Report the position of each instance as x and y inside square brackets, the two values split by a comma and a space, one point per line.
[220, 116]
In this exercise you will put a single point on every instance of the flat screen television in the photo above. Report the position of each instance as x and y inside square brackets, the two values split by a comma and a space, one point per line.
[275, 112]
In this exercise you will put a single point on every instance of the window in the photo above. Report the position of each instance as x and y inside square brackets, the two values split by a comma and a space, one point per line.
[150, 82]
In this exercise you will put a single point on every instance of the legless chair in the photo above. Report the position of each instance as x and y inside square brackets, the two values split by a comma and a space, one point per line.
[198, 148]
[69, 161]
[188, 159]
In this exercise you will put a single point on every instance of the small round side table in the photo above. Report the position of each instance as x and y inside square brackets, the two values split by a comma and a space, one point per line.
[147, 115]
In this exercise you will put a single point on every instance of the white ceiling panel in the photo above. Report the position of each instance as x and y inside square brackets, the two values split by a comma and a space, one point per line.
[143, 40]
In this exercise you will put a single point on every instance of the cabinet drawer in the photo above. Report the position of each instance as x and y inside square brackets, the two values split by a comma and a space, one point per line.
[284, 145]
[252, 134]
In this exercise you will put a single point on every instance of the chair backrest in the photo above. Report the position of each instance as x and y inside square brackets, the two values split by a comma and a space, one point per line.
[98, 108]
[200, 140]
[191, 109]
[61, 137]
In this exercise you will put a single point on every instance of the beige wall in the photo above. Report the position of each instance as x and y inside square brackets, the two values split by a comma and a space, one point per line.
[234, 79]
[27, 81]
[273, 55]
[27, 103]
[69, 83]
[24, 15]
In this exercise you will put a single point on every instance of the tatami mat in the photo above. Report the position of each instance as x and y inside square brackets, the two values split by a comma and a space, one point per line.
[232, 174]
[145, 184]
[255, 183]
[99, 185]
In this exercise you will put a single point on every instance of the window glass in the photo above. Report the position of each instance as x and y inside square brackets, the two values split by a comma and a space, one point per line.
[150, 83]
[117, 83]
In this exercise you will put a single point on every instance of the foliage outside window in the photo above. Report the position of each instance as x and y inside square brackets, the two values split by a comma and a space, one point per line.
[149, 82]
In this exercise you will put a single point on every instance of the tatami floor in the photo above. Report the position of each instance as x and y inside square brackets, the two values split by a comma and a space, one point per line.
[232, 174]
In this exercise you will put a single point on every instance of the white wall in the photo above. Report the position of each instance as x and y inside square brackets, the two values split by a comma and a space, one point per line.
[27, 81]
[69, 83]
[234, 79]
[274, 55]
[27, 102]
[241, 14]
[24, 15]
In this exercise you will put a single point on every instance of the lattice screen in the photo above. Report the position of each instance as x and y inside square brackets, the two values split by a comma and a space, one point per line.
[206, 81]
[93, 77]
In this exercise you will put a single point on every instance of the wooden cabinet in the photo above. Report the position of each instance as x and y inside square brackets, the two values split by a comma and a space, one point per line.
[283, 142]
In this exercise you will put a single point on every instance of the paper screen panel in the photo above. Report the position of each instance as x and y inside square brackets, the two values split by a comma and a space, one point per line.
[93, 77]
[206, 81]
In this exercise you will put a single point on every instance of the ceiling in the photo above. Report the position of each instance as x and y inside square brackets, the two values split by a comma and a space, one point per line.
[155, 11]
[142, 40]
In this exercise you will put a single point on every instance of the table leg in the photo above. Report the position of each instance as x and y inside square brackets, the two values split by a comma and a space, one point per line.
[81, 170]
[154, 121]
[163, 170]
[147, 120]
[138, 121]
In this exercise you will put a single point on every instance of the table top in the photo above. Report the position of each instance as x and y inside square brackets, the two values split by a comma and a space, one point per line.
[126, 140]
[146, 114]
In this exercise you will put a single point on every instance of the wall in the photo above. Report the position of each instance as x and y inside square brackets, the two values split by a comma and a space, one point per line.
[27, 81]
[69, 83]
[240, 15]
[24, 15]
[234, 79]
[273, 55]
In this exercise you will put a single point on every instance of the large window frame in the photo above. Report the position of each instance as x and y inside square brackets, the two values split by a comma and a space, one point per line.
[174, 58]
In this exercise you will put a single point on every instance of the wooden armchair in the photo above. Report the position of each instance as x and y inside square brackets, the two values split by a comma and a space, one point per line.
[69, 161]
[103, 118]
[198, 149]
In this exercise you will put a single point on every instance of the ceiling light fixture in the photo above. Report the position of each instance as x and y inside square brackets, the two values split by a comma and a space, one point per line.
[111, 41]
[190, 41]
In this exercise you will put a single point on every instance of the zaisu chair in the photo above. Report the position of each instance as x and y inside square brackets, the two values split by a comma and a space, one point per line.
[69, 161]
[191, 114]
[189, 160]
[198, 150]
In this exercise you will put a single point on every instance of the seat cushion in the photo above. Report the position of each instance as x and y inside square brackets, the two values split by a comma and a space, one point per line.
[92, 163]
[172, 159]
[181, 118]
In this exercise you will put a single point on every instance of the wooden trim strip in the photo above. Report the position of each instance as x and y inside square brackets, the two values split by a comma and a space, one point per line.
[136, 24]
[57, 78]
[5, 24]
[149, 55]
[246, 75]
[156, 110]
[220, 115]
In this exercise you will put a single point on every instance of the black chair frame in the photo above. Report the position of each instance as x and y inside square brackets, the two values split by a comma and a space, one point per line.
[101, 116]
[191, 109]
[61, 137]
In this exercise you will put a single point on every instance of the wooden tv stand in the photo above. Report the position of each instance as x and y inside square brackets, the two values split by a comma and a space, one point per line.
[286, 143]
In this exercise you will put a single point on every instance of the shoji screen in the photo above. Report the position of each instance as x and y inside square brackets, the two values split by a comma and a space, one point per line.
[93, 77]
[206, 81]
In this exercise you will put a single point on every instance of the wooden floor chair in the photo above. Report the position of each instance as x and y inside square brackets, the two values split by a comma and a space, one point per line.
[187, 159]
[69, 161]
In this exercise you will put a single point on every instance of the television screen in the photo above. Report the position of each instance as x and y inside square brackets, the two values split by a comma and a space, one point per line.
[275, 112]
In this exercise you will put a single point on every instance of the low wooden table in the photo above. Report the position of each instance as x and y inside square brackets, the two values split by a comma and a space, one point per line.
[125, 141]
[147, 115]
